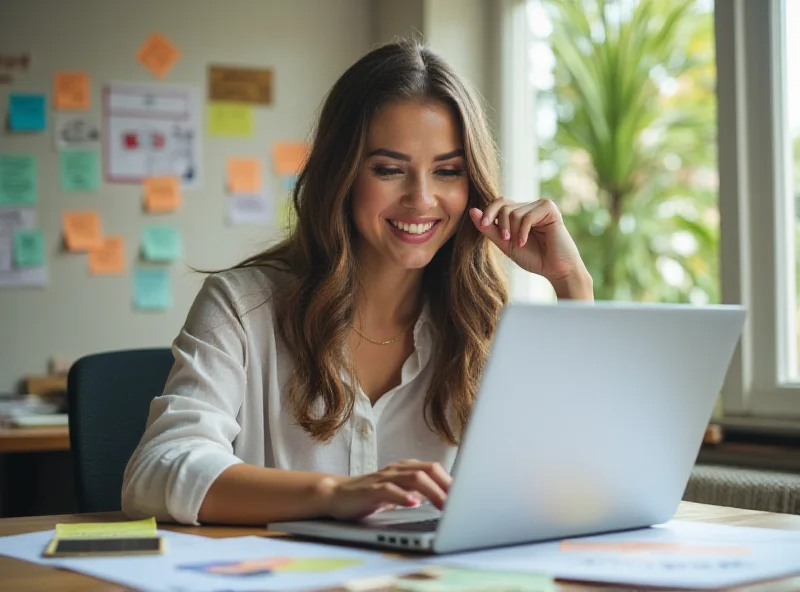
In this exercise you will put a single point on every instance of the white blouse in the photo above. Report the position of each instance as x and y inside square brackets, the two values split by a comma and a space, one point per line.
[223, 404]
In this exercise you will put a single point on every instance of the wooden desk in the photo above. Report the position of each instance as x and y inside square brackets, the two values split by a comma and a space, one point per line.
[34, 439]
[23, 576]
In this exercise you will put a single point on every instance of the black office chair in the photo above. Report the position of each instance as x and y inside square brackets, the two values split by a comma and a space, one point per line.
[108, 397]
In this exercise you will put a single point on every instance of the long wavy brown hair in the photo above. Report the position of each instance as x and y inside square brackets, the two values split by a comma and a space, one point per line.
[464, 283]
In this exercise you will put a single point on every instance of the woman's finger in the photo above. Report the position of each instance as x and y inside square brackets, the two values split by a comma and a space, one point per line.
[504, 222]
[419, 481]
[491, 211]
[434, 469]
[390, 493]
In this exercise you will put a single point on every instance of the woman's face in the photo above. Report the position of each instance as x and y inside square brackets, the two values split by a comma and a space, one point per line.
[412, 187]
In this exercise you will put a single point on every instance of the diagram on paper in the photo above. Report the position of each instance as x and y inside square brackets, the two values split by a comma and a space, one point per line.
[152, 130]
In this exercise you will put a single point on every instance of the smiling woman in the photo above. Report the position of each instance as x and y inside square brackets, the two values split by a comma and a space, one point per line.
[333, 374]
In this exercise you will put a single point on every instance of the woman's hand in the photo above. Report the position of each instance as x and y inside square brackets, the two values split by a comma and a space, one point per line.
[533, 235]
[403, 484]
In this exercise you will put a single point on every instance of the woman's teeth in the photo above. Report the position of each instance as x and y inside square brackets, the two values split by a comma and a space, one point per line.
[412, 228]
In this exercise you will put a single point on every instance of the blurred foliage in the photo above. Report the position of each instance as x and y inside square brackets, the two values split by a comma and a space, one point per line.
[633, 160]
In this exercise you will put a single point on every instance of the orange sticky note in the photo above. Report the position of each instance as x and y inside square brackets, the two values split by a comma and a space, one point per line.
[71, 90]
[162, 194]
[244, 175]
[82, 230]
[288, 157]
[109, 258]
[158, 54]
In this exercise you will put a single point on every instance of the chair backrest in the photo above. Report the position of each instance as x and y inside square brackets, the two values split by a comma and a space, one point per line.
[108, 397]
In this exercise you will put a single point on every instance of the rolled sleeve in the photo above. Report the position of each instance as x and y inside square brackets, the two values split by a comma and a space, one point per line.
[188, 441]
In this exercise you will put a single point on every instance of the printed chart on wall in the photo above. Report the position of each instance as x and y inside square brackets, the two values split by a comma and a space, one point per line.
[152, 130]
[21, 249]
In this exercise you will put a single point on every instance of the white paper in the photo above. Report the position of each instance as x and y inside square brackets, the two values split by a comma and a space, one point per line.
[771, 554]
[150, 130]
[76, 130]
[12, 219]
[249, 209]
[160, 573]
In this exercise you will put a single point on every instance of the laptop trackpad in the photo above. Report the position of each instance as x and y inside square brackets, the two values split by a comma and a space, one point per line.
[401, 515]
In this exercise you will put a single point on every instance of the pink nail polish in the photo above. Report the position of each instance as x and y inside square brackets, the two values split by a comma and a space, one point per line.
[485, 222]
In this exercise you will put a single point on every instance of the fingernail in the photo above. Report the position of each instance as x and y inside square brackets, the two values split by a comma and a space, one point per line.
[506, 234]
[485, 222]
[522, 242]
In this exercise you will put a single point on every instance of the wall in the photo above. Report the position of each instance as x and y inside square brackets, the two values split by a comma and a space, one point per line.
[307, 43]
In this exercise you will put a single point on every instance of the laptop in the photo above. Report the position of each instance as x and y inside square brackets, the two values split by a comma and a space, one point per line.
[588, 419]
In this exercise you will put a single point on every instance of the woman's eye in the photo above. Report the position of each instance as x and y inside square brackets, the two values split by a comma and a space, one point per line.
[450, 172]
[386, 171]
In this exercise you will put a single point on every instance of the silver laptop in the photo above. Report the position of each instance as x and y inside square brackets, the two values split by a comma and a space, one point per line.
[588, 419]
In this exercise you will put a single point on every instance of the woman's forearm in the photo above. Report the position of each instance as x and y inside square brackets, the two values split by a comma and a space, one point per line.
[246, 494]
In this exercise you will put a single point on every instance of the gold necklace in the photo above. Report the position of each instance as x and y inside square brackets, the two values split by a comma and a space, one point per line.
[392, 340]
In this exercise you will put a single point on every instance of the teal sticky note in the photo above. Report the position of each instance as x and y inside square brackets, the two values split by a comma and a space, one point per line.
[152, 289]
[17, 180]
[27, 112]
[29, 248]
[80, 170]
[161, 243]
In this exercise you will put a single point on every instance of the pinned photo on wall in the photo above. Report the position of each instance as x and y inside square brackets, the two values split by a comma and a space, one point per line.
[109, 258]
[152, 130]
[82, 230]
[80, 170]
[240, 85]
[18, 180]
[76, 130]
[152, 290]
[25, 249]
[27, 112]
[158, 54]
[71, 91]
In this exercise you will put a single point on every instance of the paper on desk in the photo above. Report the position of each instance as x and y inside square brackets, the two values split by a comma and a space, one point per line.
[107, 530]
[162, 572]
[674, 555]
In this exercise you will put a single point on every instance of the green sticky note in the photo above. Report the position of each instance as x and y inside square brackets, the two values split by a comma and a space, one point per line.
[17, 180]
[317, 564]
[230, 119]
[152, 289]
[453, 579]
[161, 243]
[102, 530]
[80, 170]
[29, 248]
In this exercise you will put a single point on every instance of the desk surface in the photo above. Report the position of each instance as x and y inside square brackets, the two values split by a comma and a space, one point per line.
[20, 575]
[34, 439]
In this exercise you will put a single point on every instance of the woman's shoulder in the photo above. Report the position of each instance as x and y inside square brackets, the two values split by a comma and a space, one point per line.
[249, 287]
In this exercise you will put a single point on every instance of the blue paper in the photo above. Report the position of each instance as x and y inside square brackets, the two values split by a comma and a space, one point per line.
[27, 112]
[161, 243]
[152, 289]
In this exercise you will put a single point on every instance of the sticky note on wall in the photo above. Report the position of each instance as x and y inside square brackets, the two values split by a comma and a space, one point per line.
[162, 194]
[288, 157]
[17, 180]
[29, 248]
[80, 170]
[26, 112]
[82, 230]
[161, 243]
[158, 54]
[152, 289]
[244, 175]
[109, 258]
[71, 91]
[230, 120]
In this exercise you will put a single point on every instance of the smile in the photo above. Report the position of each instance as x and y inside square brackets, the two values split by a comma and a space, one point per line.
[414, 228]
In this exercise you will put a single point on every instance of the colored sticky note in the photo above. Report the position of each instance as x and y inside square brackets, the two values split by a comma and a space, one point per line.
[152, 289]
[161, 243]
[318, 564]
[17, 180]
[28, 248]
[101, 530]
[109, 258]
[244, 175]
[162, 194]
[230, 119]
[288, 157]
[26, 112]
[82, 231]
[158, 54]
[71, 91]
[80, 170]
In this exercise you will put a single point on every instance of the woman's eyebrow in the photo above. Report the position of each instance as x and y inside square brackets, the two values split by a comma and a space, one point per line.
[407, 158]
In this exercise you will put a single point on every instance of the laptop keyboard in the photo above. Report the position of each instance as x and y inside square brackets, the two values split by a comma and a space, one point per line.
[419, 526]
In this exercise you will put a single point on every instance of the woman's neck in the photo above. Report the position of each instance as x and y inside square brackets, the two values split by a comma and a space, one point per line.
[388, 297]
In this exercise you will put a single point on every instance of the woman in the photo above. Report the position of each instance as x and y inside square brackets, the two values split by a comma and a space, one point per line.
[308, 377]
